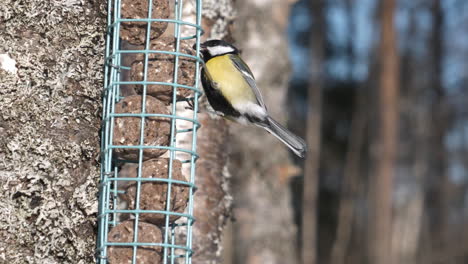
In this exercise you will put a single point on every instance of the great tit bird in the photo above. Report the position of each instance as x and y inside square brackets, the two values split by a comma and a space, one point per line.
[231, 90]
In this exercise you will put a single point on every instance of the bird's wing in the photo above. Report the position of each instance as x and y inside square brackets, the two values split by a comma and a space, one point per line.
[248, 76]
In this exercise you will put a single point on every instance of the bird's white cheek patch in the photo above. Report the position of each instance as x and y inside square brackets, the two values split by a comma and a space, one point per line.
[218, 50]
[251, 109]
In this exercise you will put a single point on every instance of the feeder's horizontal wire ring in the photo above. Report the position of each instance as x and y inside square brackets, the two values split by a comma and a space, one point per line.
[177, 85]
[154, 83]
[118, 67]
[195, 188]
[139, 211]
[185, 130]
[153, 115]
[178, 99]
[143, 244]
[175, 21]
[116, 192]
[172, 256]
[113, 191]
[180, 54]
[189, 184]
[153, 147]
[183, 23]
[136, 162]
[172, 225]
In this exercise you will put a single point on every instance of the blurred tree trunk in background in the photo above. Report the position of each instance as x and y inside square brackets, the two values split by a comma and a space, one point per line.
[263, 230]
[387, 140]
[313, 136]
[440, 119]
[349, 186]
[413, 154]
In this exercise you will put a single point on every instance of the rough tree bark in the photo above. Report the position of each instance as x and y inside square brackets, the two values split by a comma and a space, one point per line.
[212, 202]
[49, 129]
[387, 140]
[49, 135]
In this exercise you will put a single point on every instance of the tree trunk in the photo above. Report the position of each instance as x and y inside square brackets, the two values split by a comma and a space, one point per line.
[314, 115]
[350, 184]
[439, 130]
[212, 204]
[212, 199]
[49, 129]
[413, 154]
[263, 230]
[387, 140]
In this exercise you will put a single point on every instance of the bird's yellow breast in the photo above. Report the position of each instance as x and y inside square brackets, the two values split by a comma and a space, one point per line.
[229, 80]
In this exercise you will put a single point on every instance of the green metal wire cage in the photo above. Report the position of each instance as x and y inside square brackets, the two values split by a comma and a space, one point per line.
[176, 244]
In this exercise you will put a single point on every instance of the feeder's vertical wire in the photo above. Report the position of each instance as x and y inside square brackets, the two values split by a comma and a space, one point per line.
[100, 242]
[178, 11]
[115, 90]
[188, 258]
[109, 127]
[116, 68]
[173, 242]
[142, 129]
[114, 221]
[110, 109]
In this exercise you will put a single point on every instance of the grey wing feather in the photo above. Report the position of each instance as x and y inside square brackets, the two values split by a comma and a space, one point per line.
[248, 76]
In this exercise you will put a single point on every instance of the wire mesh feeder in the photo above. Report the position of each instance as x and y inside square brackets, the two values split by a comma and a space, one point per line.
[147, 176]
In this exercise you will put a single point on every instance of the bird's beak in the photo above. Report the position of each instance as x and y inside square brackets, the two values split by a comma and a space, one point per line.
[202, 46]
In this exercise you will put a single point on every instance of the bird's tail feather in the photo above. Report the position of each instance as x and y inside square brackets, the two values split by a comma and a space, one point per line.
[295, 143]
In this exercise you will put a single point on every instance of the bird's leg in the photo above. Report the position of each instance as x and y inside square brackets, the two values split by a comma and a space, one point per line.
[191, 103]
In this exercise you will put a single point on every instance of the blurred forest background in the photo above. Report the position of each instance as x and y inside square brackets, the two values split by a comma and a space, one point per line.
[377, 89]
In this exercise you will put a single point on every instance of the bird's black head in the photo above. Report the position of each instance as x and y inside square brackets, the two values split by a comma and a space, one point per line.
[216, 47]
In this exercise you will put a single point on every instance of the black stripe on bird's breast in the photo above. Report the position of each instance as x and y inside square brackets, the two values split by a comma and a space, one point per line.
[216, 98]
